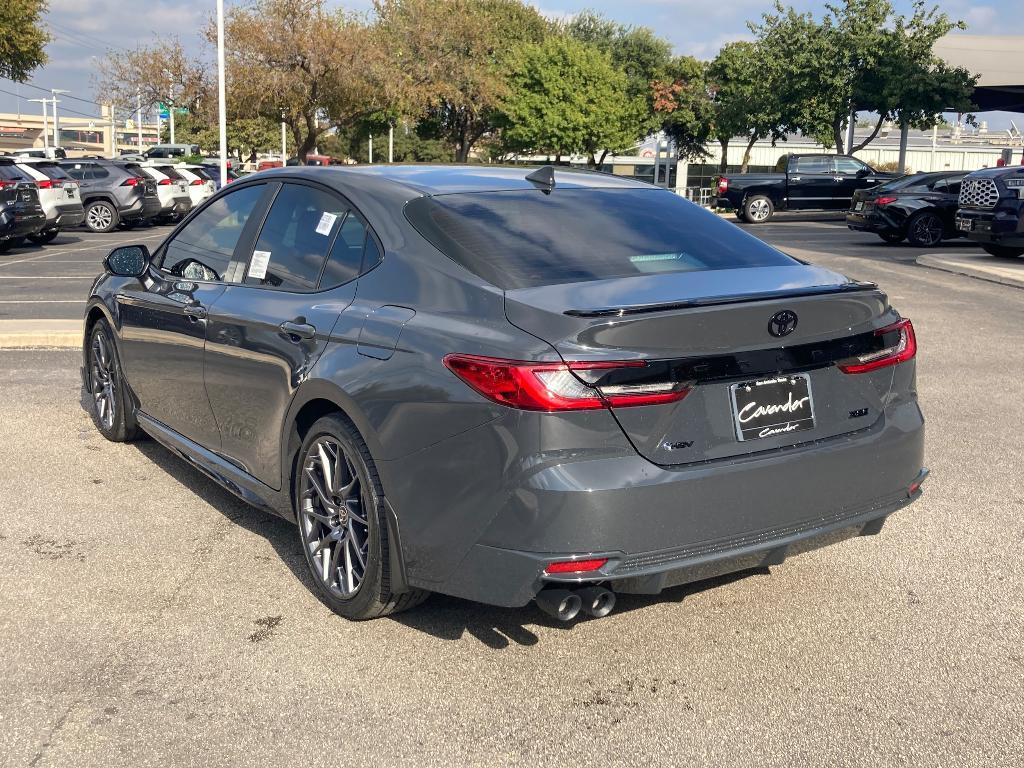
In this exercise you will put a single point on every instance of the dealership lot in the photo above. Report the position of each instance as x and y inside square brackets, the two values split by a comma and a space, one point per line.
[149, 618]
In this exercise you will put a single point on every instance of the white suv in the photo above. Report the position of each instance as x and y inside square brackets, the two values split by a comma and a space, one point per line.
[200, 185]
[172, 189]
[58, 195]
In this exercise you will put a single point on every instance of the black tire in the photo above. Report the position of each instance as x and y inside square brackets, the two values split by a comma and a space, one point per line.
[925, 229]
[757, 209]
[14, 242]
[109, 404]
[740, 215]
[42, 238]
[892, 238]
[5, 246]
[101, 216]
[1003, 251]
[337, 530]
[129, 225]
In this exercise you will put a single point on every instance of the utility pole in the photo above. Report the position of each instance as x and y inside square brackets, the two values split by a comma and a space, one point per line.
[371, 148]
[221, 99]
[138, 116]
[56, 123]
[391, 143]
[46, 125]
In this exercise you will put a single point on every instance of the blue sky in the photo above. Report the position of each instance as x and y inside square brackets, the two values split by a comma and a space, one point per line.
[85, 29]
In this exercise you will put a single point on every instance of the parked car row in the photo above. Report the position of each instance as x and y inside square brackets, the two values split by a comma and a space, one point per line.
[41, 196]
[926, 208]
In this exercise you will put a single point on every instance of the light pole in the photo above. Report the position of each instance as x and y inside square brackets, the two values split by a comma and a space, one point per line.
[56, 124]
[284, 143]
[391, 143]
[138, 115]
[170, 104]
[221, 100]
[46, 127]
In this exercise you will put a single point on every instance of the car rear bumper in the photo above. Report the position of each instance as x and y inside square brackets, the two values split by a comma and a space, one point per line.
[1001, 227]
[64, 216]
[18, 224]
[872, 222]
[658, 526]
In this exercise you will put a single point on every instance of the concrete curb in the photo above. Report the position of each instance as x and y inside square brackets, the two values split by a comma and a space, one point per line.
[40, 334]
[989, 268]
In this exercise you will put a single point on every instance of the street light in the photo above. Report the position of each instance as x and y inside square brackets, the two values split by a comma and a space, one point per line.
[221, 101]
[56, 124]
[46, 139]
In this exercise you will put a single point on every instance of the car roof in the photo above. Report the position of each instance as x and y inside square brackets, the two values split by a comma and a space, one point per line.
[451, 179]
[998, 171]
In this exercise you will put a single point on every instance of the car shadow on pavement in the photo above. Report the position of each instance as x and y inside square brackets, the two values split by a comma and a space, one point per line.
[441, 616]
[450, 618]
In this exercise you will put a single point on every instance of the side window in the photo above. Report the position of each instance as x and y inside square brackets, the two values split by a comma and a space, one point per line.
[203, 249]
[99, 172]
[953, 185]
[849, 165]
[346, 258]
[814, 164]
[296, 238]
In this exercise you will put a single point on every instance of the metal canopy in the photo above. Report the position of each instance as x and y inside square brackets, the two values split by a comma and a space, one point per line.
[998, 59]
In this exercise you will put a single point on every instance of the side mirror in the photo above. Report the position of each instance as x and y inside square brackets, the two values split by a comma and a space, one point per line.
[128, 261]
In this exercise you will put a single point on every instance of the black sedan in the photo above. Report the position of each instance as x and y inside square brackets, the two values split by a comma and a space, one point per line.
[919, 208]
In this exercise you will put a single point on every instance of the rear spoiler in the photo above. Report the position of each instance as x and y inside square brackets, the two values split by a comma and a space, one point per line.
[709, 301]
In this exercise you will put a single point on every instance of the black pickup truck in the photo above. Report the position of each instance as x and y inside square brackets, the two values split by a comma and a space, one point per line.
[991, 210]
[799, 182]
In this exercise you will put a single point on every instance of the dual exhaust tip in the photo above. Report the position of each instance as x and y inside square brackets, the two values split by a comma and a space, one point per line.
[565, 604]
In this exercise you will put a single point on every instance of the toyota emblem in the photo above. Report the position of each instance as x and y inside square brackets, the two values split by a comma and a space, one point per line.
[782, 323]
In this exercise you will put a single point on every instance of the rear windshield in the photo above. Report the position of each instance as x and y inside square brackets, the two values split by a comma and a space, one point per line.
[202, 174]
[906, 182]
[525, 238]
[169, 172]
[51, 170]
[11, 172]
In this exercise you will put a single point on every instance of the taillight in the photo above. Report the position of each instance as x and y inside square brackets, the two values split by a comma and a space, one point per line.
[723, 184]
[44, 184]
[885, 200]
[131, 181]
[559, 386]
[576, 566]
[195, 182]
[164, 182]
[5, 184]
[902, 348]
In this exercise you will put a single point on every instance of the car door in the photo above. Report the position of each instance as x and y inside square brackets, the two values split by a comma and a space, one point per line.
[811, 182]
[851, 175]
[266, 333]
[163, 318]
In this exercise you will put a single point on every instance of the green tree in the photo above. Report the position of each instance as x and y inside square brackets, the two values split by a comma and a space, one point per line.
[683, 106]
[640, 55]
[452, 58]
[567, 97]
[744, 102]
[161, 73]
[861, 56]
[299, 61]
[22, 38]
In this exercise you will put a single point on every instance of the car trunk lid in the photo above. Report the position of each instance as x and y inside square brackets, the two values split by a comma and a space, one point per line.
[714, 330]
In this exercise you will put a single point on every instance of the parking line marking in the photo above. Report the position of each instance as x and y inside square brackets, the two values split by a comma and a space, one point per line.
[40, 277]
[42, 301]
[63, 250]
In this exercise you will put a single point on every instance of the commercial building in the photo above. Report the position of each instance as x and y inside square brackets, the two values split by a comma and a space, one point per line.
[78, 135]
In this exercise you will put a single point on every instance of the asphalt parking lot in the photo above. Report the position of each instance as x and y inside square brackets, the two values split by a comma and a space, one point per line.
[150, 618]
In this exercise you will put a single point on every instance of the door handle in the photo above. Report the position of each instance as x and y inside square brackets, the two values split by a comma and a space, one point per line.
[794, 178]
[195, 312]
[297, 331]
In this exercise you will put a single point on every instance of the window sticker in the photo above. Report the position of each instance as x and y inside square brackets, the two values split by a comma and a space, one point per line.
[326, 223]
[259, 263]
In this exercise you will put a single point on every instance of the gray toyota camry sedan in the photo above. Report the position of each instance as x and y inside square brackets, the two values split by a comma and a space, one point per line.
[508, 384]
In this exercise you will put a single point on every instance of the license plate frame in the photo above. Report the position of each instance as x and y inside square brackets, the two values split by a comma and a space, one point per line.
[787, 406]
[859, 206]
[964, 225]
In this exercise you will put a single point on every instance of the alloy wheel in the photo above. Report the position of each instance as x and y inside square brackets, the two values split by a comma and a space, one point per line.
[100, 217]
[759, 210]
[333, 518]
[927, 230]
[103, 380]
